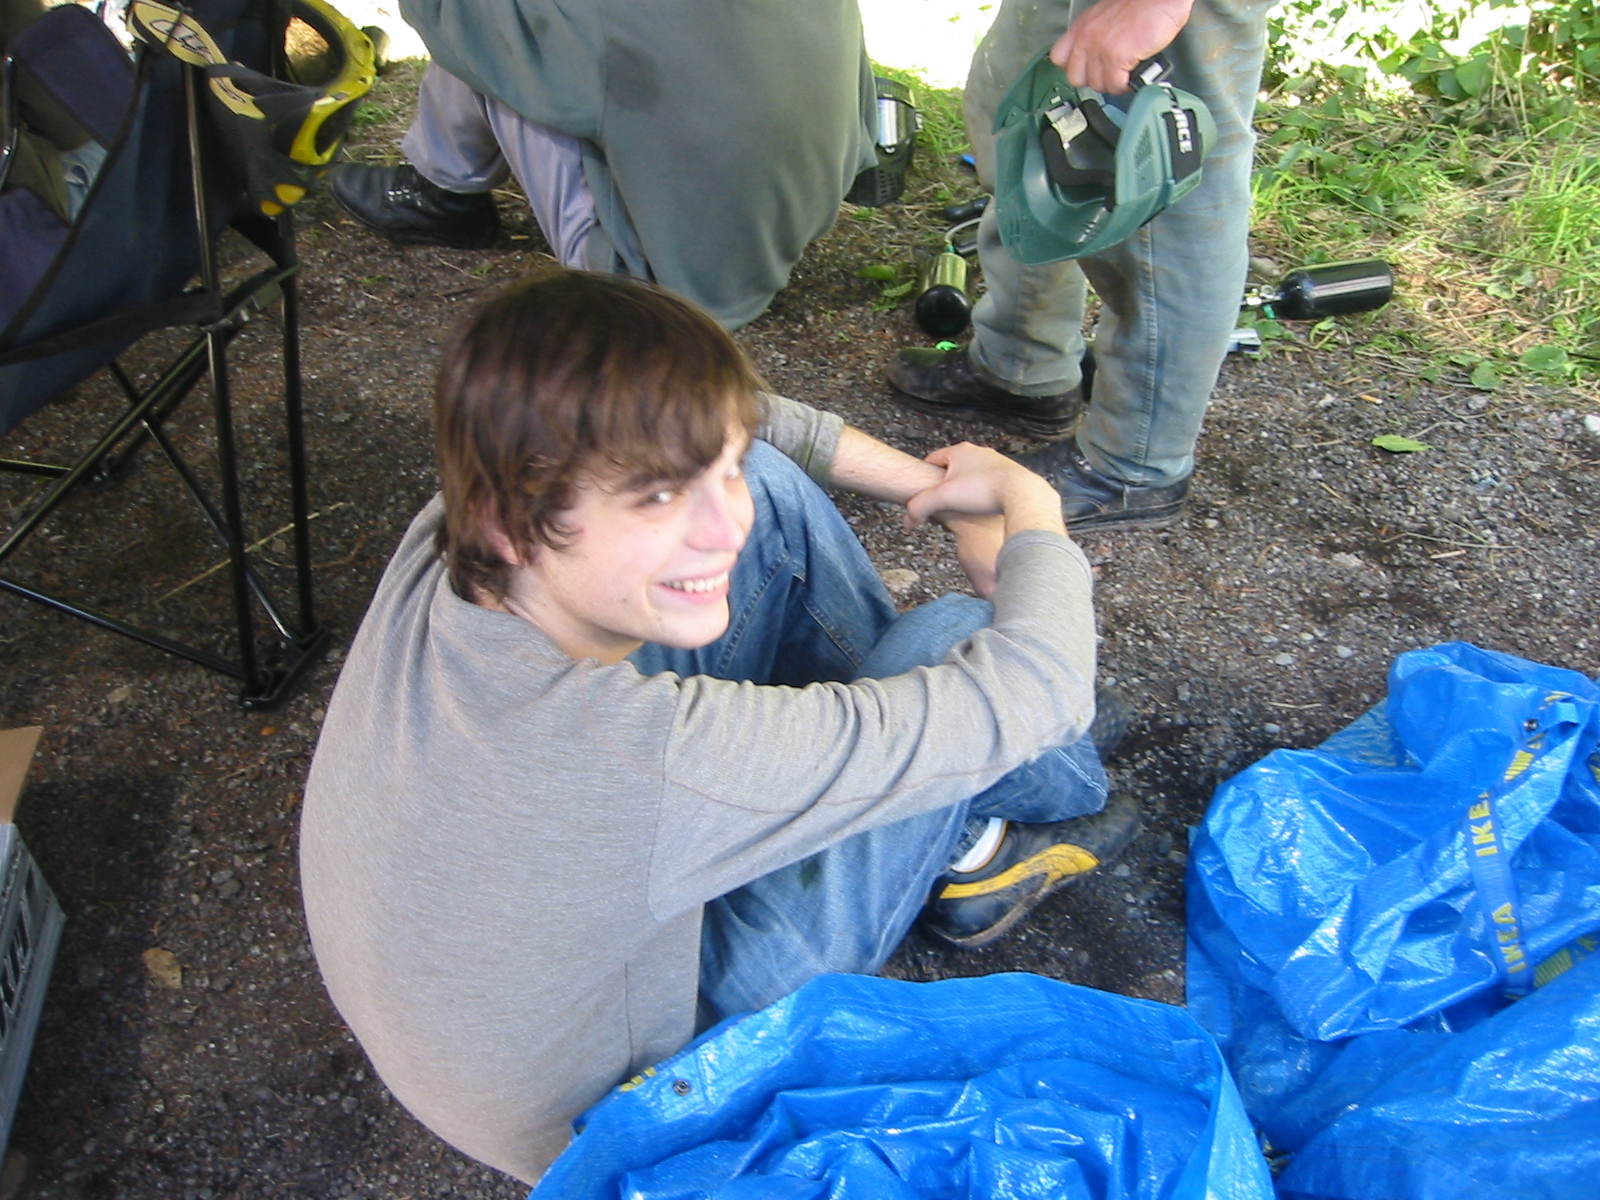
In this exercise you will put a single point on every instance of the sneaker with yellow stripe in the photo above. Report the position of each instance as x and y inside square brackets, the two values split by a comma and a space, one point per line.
[973, 908]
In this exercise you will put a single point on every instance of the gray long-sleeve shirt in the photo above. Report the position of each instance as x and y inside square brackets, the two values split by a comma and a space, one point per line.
[504, 852]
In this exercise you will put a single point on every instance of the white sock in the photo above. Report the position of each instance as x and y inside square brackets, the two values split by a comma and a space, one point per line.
[983, 849]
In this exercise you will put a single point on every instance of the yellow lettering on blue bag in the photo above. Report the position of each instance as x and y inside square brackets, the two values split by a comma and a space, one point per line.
[1519, 764]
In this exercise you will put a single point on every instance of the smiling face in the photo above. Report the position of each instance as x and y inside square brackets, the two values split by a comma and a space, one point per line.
[647, 563]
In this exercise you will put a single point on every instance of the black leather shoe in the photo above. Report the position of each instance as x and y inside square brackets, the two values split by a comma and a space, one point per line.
[399, 203]
[973, 908]
[942, 382]
[1090, 500]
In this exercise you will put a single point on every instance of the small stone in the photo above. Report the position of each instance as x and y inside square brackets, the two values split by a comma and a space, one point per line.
[1082, 957]
[1591, 425]
[221, 877]
[120, 695]
[1122, 871]
[1211, 522]
[164, 968]
[1283, 660]
[1184, 694]
[1272, 727]
[1349, 561]
[1344, 651]
[1264, 269]
[899, 579]
[229, 889]
[1181, 857]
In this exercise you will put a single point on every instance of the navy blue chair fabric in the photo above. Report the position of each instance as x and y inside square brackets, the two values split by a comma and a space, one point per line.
[125, 262]
[75, 296]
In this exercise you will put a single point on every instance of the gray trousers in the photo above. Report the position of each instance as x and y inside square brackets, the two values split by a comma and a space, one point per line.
[1170, 294]
[464, 141]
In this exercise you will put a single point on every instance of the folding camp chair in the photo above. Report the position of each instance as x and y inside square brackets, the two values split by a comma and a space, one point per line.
[122, 269]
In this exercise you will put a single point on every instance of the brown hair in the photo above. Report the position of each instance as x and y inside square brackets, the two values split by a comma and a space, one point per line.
[571, 375]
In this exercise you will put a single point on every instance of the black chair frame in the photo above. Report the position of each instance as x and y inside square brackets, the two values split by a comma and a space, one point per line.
[268, 672]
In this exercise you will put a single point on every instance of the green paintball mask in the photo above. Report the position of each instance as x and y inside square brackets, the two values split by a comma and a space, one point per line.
[1075, 173]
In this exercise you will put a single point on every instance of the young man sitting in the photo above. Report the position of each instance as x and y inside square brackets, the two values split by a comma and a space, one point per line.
[632, 737]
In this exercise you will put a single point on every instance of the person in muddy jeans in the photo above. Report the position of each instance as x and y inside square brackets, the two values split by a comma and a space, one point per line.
[632, 738]
[1169, 294]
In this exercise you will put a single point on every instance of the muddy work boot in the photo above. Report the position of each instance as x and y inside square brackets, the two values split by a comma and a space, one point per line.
[399, 203]
[972, 908]
[944, 384]
[1090, 500]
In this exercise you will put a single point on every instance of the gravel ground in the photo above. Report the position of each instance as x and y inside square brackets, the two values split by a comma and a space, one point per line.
[165, 817]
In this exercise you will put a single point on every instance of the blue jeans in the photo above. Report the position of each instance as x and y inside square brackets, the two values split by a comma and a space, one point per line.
[1170, 293]
[806, 605]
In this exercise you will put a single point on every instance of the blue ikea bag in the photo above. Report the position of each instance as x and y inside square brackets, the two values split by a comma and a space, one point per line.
[1509, 1108]
[1008, 1087]
[1365, 919]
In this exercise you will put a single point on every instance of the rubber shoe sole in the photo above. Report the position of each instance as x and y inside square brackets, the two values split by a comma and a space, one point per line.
[1040, 429]
[1125, 518]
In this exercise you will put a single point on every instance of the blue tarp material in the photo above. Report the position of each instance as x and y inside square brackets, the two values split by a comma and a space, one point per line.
[1009, 1087]
[1368, 922]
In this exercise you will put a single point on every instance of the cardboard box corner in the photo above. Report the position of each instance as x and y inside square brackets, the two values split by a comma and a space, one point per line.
[16, 755]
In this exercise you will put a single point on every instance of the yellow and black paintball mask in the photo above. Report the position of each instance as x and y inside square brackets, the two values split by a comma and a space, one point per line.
[282, 133]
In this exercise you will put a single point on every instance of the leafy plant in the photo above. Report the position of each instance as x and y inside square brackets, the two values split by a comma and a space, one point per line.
[892, 289]
[1468, 155]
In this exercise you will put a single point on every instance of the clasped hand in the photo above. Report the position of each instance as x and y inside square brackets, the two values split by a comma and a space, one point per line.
[982, 500]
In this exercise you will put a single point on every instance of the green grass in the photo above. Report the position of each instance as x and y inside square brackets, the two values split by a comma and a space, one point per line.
[368, 113]
[1492, 217]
